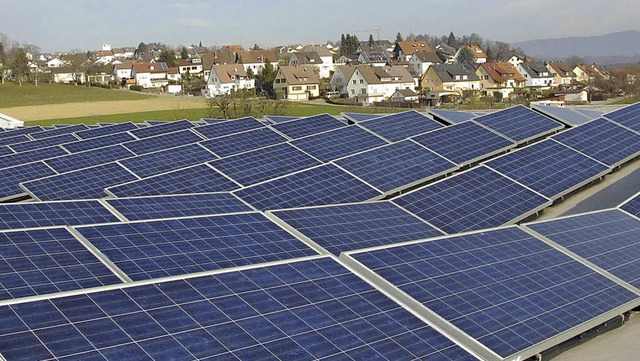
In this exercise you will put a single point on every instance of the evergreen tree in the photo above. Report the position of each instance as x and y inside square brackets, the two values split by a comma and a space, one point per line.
[466, 56]
[20, 65]
[168, 56]
[184, 54]
[200, 45]
[452, 41]
[371, 41]
[265, 78]
[255, 47]
[399, 37]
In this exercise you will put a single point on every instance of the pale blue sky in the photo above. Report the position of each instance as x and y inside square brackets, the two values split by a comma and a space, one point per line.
[87, 24]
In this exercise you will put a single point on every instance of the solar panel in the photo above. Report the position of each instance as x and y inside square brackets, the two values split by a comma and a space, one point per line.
[609, 239]
[475, 199]
[519, 123]
[165, 128]
[279, 118]
[284, 312]
[360, 117]
[326, 184]
[464, 143]
[42, 261]
[167, 160]
[85, 183]
[396, 166]
[43, 143]
[31, 156]
[98, 142]
[106, 130]
[549, 167]
[59, 131]
[400, 126]
[590, 113]
[13, 176]
[632, 205]
[354, 226]
[229, 127]
[156, 207]
[243, 142]
[5, 150]
[603, 141]
[163, 141]
[213, 121]
[20, 131]
[160, 248]
[451, 116]
[14, 139]
[628, 116]
[47, 214]
[566, 115]
[338, 143]
[90, 158]
[504, 288]
[156, 122]
[306, 126]
[196, 179]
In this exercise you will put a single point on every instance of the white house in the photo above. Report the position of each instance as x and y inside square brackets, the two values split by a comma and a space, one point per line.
[369, 84]
[404, 95]
[296, 83]
[67, 75]
[403, 50]
[341, 77]
[322, 65]
[423, 59]
[226, 78]
[56, 63]
[192, 66]
[536, 75]
[256, 59]
[150, 75]
[478, 55]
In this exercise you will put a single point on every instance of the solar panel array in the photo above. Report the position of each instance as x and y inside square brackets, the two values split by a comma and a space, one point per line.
[15, 159]
[229, 127]
[628, 116]
[519, 123]
[243, 142]
[306, 126]
[44, 142]
[632, 205]
[163, 161]
[568, 116]
[338, 143]
[58, 131]
[360, 117]
[165, 128]
[88, 158]
[399, 126]
[98, 142]
[162, 141]
[452, 116]
[46, 214]
[13, 176]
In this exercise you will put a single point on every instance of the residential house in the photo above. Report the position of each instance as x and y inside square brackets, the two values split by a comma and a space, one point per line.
[574, 96]
[122, 71]
[313, 61]
[369, 84]
[404, 96]
[233, 48]
[150, 75]
[101, 78]
[341, 77]
[599, 70]
[103, 57]
[382, 45]
[296, 83]
[215, 58]
[66, 75]
[56, 63]
[478, 55]
[190, 67]
[446, 53]
[173, 75]
[449, 79]
[423, 59]
[536, 76]
[562, 73]
[256, 59]
[289, 49]
[124, 53]
[347, 59]
[374, 57]
[500, 77]
[403, 50]
[584, 74]
[223, 79]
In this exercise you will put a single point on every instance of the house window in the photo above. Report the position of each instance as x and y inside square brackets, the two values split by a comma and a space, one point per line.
[363, 91]
[353, 91]
[311, 87]
[361, 81]
[354, 81]
[296, 88]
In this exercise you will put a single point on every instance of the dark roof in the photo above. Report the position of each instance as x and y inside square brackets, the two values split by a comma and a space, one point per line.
[448, 72]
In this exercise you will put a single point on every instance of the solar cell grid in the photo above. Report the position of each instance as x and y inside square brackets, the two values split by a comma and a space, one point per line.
[338, 143]
[279, 119]
[30, 156]
[519, 123]
[632, 205]
[505, 288]
[243, 142]
[565, 115]
[163, 141]
[452, 116]
[47, 214]
[360, 117]
[628, 116]
[90, 158]
[400, 126]
[8, 140]
[59, 131]
[106, 130]
[229, 127]
[306, 126]
[171, 127]
[20, 131]
[98, 142]
[44, 142]
[163, 161]
[5, 150]
[13, 176]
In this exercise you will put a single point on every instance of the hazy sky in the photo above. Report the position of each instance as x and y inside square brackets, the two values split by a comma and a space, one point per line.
[87, 24]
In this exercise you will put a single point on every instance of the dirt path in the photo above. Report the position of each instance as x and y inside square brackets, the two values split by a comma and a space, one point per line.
[71, 110]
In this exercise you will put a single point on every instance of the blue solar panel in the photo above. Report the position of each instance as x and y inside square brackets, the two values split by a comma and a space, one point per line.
[609, 239]
[279, 118]
[396, 166]
[283, 312]
[400, 126]
[628, 116]
[88, 159]
[263, 164]
[153, 249]
[339, 143]
[167, 160]
[632, 205]
[197, 179]
[360, 117]
[5, 150]
[322, 185]
[156, 122]
[42, 143]
[141, 208]
[549, 167]
[13, 176]
[98, 142]
[31, 156]
[243, 142]
[20, 131]
[306, 126]
[46, 214]
[505, 288]
[20, 138]
[59, 131]
[464, 143]
[603, 141]
[86, 183]
[163, 141]
[42, 261]
[591, 114]
[106, 130]
[566, 115]
[349, 227]
[162, 129]
[519, 123]
[213, 121]
[229, 127]
[476, 199]
[452, 116]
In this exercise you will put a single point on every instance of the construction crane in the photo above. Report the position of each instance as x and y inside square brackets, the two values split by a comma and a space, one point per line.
[377, 30]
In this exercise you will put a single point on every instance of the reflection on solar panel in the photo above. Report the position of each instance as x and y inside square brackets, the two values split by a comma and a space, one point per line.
[167, 160]
[20, 138]
[170, 127]
[161, 142]
[311, 309]
[41, 261]
[279, 119]
[475, 199]
[156, 122]
[628, 116]
[519, 123]
[20, 131]
[399, 126]
[360, 117]
[106, 130]
[80, 184]
[13, 176]
[566, 115]
[14, 159]
[98, 142]
[58, 131]
[464, 143]
[153, 249]
[356, 226]
[609, 239]
[452, 116]
[322, 185]
[88, 159]
[338, 143]
[396, 166]
[42, 143]
[243, 142]
[632, 205]
[549, 167]
[46, 214]
[306, 126]
[5, 150]
[229, 127]
[505, 288]
[213, 121]
[156, 207]
[603, 141]
[197, 179]
[592, 114]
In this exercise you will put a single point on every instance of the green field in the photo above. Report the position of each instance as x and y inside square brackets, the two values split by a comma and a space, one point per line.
[13, 95]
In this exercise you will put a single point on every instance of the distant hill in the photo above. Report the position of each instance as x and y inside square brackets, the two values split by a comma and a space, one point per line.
[620, 47]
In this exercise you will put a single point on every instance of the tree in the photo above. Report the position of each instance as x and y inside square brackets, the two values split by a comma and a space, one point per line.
[256, 47]
[3, 61]
[264, 80]
[142, 47]
[574, 60]
[250, 73]
[452, 41]
[349, 44]
[399, 38]
[371, 41]
[20, 64]
[489, 52]
[169, 57]
[502, 51]
[200, 45]
[466, 56]
[184, 53]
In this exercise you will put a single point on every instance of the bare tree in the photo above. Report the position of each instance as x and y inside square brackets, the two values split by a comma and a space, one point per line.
[19, 64]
